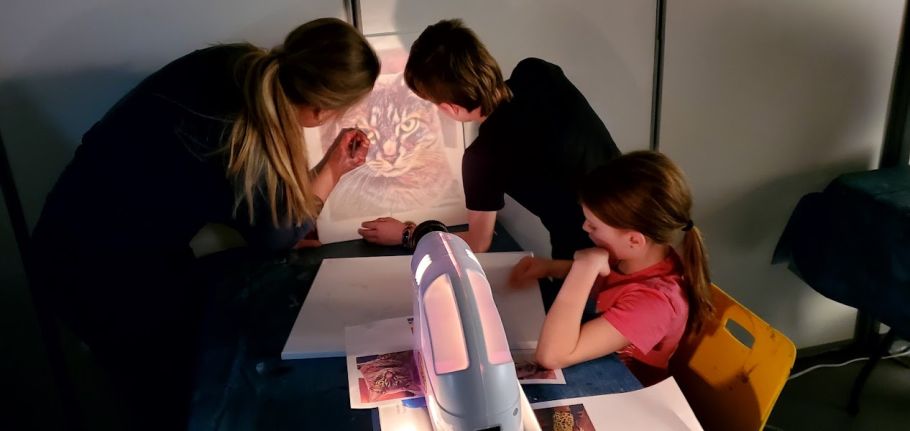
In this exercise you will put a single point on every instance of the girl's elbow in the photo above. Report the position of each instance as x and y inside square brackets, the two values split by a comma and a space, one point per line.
[548, 360]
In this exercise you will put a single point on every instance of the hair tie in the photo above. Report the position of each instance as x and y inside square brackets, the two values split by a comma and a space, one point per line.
[689, 225]
[276, 54]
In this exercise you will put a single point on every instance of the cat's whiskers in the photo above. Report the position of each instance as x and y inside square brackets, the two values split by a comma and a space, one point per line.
[416, 173]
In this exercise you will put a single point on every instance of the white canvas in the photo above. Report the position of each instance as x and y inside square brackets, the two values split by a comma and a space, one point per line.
[413, 168]
[356, 291]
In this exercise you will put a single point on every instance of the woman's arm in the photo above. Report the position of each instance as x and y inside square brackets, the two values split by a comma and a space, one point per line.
[349, 151]
[564, 341]
[324, 181]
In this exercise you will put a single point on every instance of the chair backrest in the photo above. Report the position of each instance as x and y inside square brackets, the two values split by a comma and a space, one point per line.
[733, 371]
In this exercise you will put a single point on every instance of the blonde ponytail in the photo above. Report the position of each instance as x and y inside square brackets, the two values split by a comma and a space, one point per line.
[267, 151]
[324, 64]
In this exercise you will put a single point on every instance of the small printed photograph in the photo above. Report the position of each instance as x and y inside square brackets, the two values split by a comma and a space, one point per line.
[389, 376]
[564, 418]
[528, 371]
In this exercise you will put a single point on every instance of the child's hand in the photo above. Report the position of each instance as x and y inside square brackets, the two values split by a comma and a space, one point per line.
[382, 231]
[529, 268]
[595, 258]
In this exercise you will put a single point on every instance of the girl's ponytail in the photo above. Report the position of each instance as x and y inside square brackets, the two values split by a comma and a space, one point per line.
[695, 272]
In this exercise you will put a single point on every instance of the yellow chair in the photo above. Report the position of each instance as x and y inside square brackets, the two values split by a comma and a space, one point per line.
[732, 375]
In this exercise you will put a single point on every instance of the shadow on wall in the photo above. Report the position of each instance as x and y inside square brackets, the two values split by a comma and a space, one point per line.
[742, 235]
[759, 215]
[791, 103]
[43, 119]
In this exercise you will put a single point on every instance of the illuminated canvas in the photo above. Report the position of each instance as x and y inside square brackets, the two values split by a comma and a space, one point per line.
[413, 168]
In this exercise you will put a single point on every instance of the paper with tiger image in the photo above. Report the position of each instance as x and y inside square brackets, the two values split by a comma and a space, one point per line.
[413, 167]
[382, 365]
[529, 372]
[661, 406]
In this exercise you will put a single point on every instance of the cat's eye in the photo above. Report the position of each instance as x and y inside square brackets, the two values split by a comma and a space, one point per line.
[408, 126]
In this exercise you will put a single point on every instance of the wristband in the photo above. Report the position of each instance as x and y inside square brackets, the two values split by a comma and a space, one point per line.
[407, 233]
[423, 229]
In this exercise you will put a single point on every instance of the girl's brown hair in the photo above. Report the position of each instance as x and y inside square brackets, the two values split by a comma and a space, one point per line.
[324, 64]
[449, 64]
[646, 192]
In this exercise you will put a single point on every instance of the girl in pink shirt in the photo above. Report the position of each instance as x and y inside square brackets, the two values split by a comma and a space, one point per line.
[636, 208]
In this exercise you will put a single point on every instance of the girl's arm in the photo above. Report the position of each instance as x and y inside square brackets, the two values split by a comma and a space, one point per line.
[564, 341]
[533, 268]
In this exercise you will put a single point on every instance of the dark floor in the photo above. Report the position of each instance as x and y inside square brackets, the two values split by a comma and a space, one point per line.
[818, 399]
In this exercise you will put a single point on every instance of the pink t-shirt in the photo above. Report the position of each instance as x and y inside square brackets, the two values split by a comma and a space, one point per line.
[650, 309]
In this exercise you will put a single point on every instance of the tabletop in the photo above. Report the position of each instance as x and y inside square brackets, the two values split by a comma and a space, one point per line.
[241, 382]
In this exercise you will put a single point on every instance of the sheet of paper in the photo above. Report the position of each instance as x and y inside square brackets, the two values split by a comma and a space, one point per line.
[387, 335]
[348, 292]
[377, 355]
[383, 378]
[382, 366]
[529, 372]
[659, 407]
[413, 167]
[398, 417]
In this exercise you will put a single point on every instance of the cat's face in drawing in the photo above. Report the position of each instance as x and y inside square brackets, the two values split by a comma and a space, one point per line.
[401, 128]
[407, 166]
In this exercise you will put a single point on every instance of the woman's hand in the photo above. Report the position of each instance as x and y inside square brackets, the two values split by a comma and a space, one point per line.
[595, 258]
[529, 268]
[348, 152]
[382, 231]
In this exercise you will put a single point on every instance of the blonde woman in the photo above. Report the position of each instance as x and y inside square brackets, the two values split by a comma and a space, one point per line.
[215, 136]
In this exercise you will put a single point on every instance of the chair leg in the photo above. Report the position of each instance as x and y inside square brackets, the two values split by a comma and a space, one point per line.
[853, 404]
